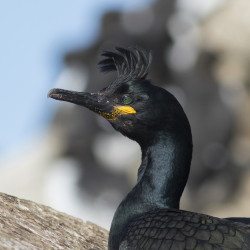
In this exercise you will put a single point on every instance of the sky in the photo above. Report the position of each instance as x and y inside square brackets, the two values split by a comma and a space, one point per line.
[35, 35]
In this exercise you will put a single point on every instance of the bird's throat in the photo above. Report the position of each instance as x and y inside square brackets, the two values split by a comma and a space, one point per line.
[164, 170]
[162, 177]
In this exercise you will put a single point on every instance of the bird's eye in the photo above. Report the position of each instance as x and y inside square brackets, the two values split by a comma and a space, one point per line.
[126, 99]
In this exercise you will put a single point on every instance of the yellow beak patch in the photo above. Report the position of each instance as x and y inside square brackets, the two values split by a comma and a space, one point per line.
[118, 111]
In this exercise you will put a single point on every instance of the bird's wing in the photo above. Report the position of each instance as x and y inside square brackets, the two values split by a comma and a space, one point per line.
[177, 229]
[239, 219]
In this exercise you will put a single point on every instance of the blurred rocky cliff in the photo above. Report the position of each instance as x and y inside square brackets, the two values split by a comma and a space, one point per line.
[201, 55]
[204, 61]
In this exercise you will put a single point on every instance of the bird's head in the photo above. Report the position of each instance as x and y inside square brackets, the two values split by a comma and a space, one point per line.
[132, 105]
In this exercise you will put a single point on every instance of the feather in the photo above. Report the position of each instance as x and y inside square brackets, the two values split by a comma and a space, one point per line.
[130, 64]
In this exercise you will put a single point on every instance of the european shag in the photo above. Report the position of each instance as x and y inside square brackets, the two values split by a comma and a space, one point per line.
[149, 216]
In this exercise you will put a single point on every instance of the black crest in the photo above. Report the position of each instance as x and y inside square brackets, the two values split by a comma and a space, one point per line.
[130, 64]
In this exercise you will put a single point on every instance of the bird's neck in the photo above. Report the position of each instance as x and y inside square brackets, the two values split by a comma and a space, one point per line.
[164, 170]
[162, 177]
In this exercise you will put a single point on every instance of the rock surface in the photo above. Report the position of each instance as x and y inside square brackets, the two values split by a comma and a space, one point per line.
[27, 225]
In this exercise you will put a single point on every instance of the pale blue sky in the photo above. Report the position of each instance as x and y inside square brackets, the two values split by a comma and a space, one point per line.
[34, 37]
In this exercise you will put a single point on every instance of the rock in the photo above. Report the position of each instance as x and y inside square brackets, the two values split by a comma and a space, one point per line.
[27, 225]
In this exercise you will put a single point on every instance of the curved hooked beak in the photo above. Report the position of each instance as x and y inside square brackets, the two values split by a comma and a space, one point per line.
[93, 101]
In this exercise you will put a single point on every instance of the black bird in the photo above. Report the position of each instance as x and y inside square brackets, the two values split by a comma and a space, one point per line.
[149, 216]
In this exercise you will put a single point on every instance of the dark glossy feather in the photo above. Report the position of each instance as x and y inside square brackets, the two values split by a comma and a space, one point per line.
[164, 229]
[130, 64]
[239, 219]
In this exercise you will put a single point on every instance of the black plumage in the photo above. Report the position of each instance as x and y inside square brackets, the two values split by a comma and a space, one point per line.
[149, 216]
[129, 64]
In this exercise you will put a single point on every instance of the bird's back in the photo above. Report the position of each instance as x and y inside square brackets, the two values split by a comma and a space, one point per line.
[164, 229]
